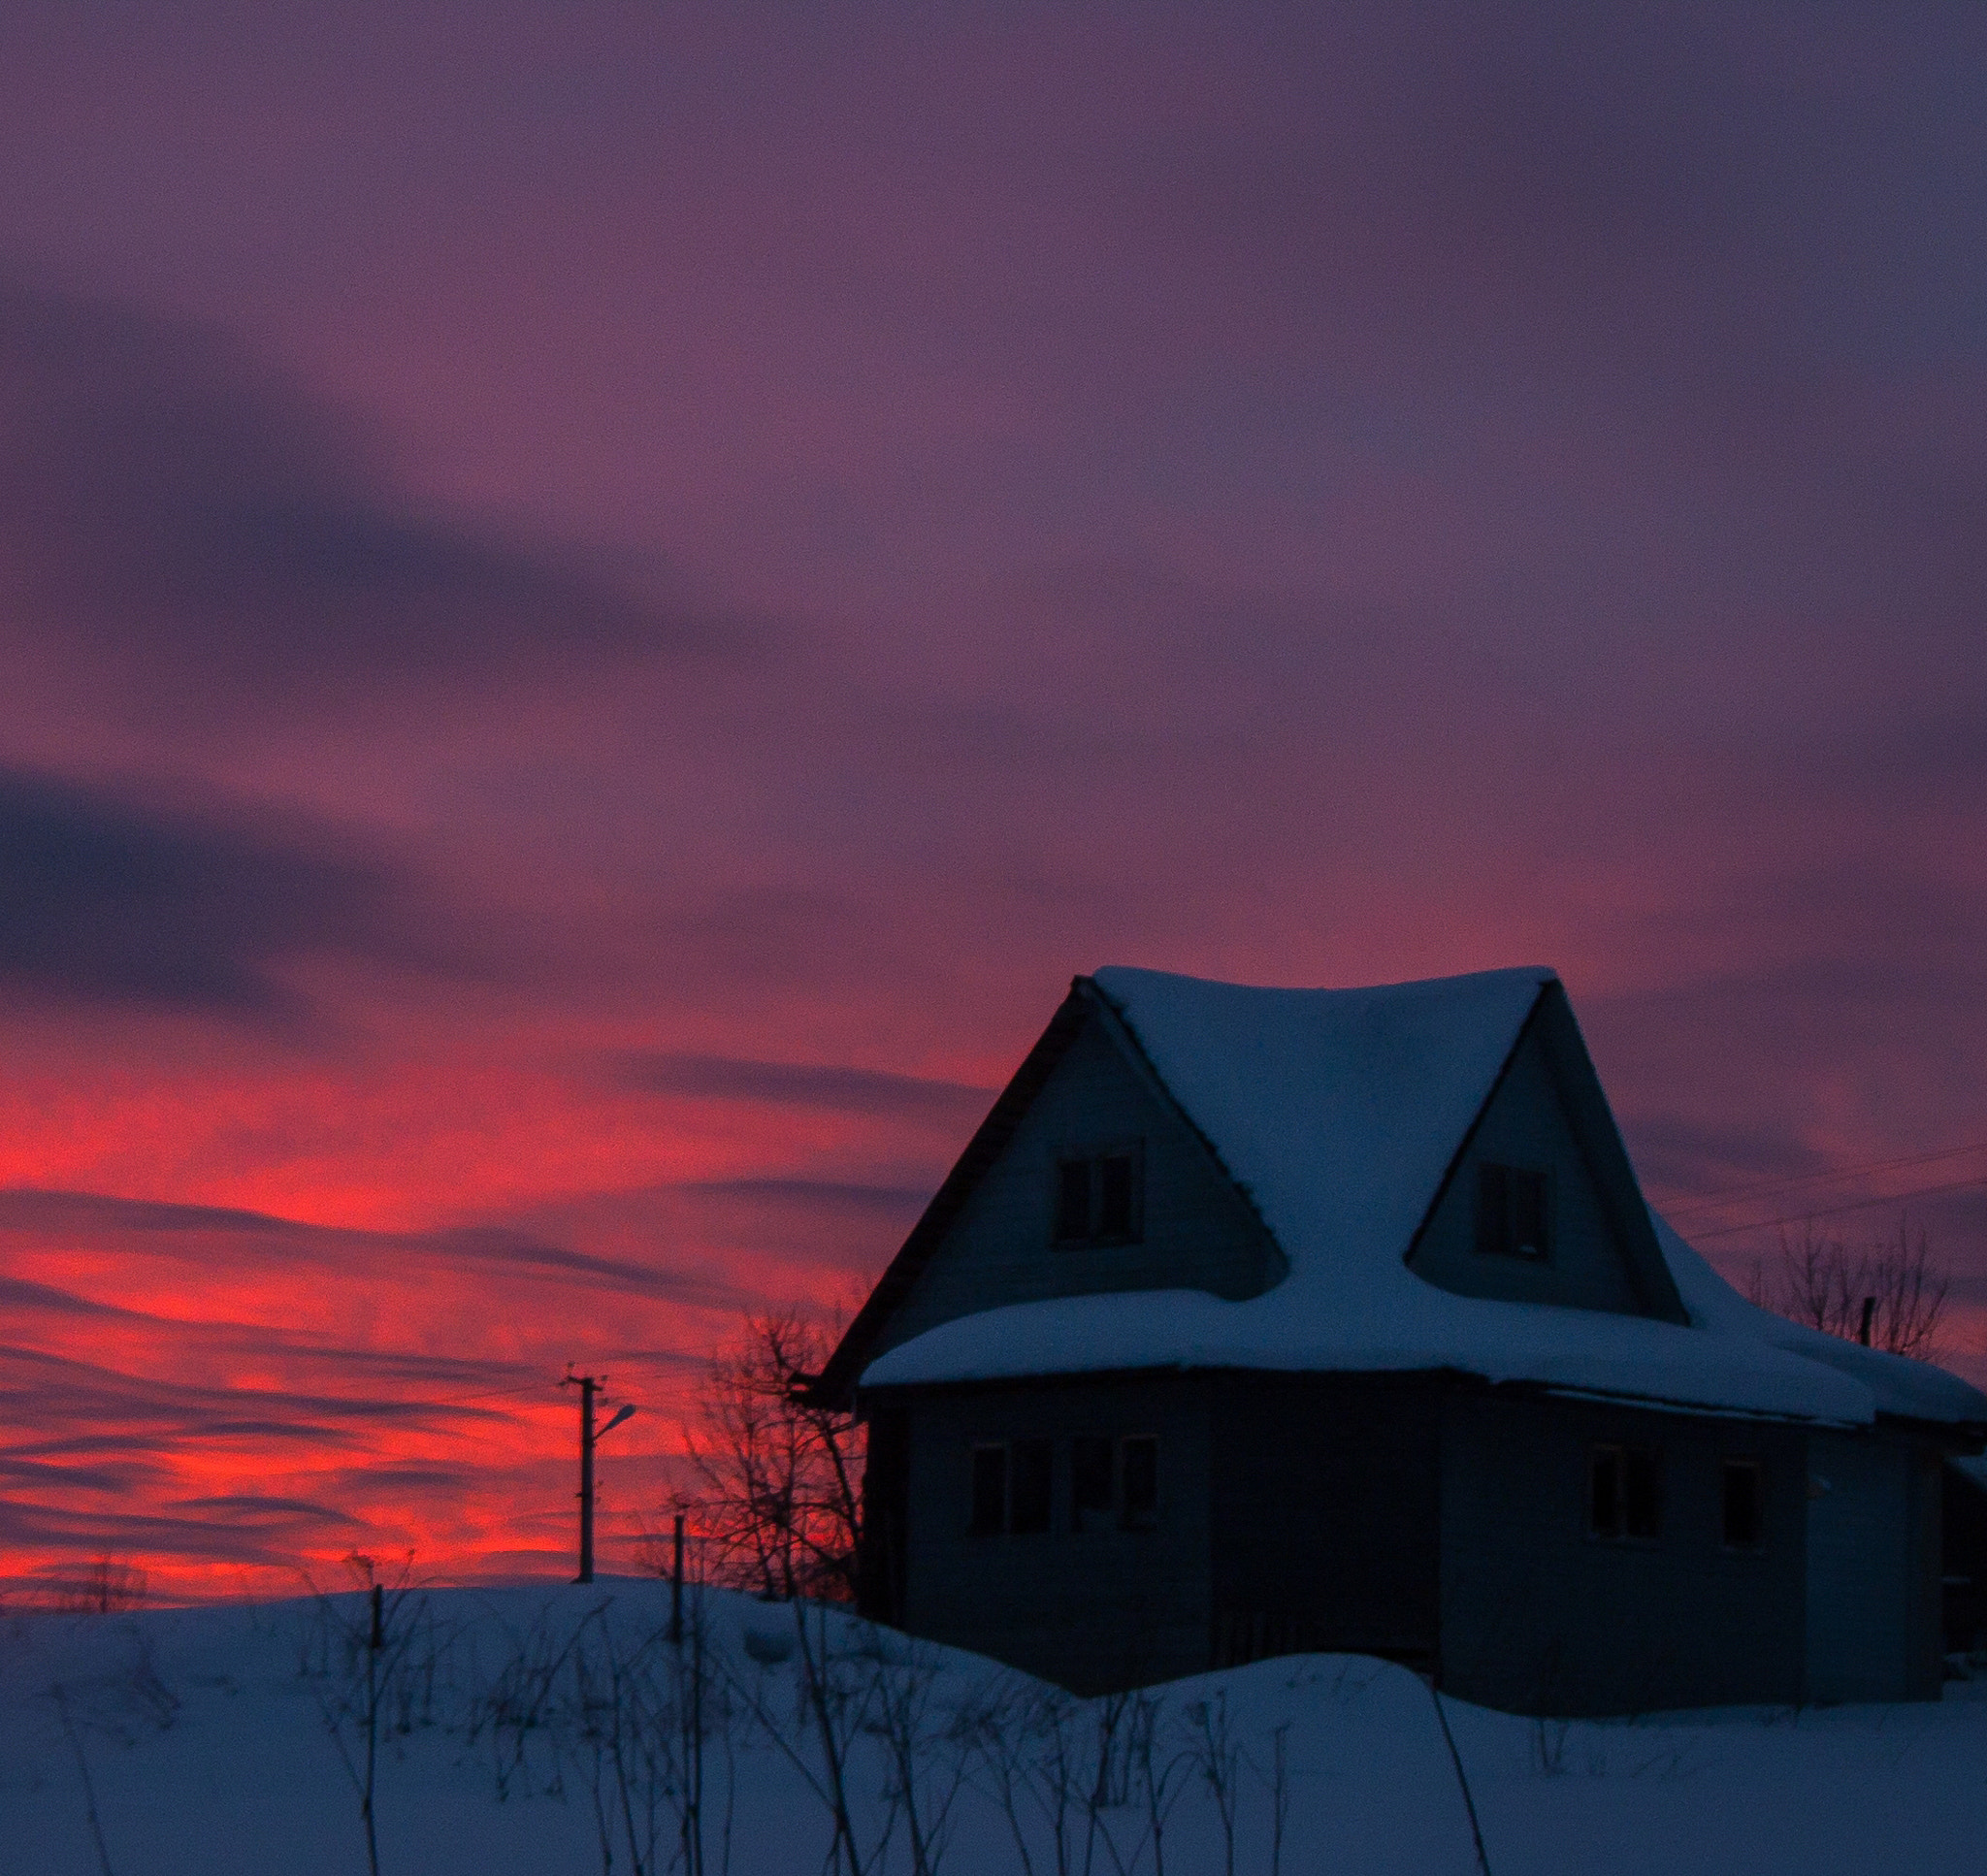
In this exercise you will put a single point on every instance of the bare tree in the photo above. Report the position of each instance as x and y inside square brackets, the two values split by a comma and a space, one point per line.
[106, 1587]
[779, 1477]
[1890, 1294]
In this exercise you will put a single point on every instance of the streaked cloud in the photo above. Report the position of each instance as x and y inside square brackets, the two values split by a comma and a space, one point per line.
[193, 517]
[110, 899]
[810, 1085]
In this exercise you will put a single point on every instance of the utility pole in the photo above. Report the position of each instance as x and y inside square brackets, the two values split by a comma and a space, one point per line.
[676, 1587]
[589, 1386]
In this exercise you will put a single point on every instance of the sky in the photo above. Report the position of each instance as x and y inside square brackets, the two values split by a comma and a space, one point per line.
[601, 603]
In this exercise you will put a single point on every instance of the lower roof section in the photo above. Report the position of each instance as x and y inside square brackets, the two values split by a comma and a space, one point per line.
[1732, 1357]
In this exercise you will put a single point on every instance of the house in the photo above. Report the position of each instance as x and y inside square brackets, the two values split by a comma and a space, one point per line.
[1254, 1321]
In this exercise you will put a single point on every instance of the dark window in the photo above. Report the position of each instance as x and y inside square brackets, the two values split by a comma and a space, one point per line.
[1513, 1206]
[1098, 1199]
[1745, 1507]
[1089, 1482]
[1114, 1196]
[1641, 1511]
[1139, 1470]
[1625, 1493]
[1030, 1495]
[1073, 1202]
[989, 1490]
[1604, 1492]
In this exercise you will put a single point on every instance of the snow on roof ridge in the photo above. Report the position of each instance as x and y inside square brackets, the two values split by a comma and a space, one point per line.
[1338, 1111]
[1538, 974]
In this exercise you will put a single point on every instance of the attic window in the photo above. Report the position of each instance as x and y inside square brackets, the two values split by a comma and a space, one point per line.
[1514, 1208]
[1097, 1198]
[1744, 1505]
[1624, 1493]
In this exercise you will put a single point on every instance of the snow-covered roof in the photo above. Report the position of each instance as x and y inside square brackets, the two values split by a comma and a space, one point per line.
[1339, 1112]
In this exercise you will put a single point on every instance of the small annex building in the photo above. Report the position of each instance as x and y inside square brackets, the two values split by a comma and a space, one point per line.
[1258, 1321]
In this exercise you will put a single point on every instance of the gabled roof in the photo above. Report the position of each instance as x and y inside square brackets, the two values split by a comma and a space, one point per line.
[837, 1379]
[1340, 1114]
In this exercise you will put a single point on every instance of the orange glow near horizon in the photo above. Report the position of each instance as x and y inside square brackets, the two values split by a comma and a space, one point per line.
[240, 1383]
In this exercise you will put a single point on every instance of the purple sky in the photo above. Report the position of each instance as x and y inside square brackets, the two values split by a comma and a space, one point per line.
[602, 602]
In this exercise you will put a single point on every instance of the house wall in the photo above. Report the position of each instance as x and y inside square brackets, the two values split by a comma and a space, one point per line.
[1963, 1518]
[883, 1554]
[1198, 1232]
[1539, 1616]
[1525, 1124]
[1325, 1516]
[1094, 1610]
[1429, 1522]
[1872, 1569]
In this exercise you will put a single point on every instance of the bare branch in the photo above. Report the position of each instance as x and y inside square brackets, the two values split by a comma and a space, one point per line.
[1898, 1284]
[779, 1478]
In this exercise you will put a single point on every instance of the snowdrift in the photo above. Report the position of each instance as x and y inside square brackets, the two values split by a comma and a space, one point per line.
[549, 1730]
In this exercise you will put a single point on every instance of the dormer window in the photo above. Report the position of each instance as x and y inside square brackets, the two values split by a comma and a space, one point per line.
[1098, 1199]
[1514, 1213]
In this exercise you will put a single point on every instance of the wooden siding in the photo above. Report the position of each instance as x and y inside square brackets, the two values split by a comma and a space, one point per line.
[1872, 1569]
[1527, 1123]
[1198, 1233]
[1538, 1616]
[1325, 1516]
[1095, 1610]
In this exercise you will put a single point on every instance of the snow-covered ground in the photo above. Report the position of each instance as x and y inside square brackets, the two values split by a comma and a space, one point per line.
[203, 1741]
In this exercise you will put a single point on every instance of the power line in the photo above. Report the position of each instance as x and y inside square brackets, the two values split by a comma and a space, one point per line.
[1732, 1195]
[1853, 1205]
[493, 1394]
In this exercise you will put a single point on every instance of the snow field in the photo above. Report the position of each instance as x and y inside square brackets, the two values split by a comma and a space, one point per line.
[202, 1740]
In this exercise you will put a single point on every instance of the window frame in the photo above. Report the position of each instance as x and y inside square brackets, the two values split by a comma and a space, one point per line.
[1008, 1449]
[1042, 1520]
[1503, 1239]
[1092, 1159]
[1102, 1515]
[1625, 1458]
